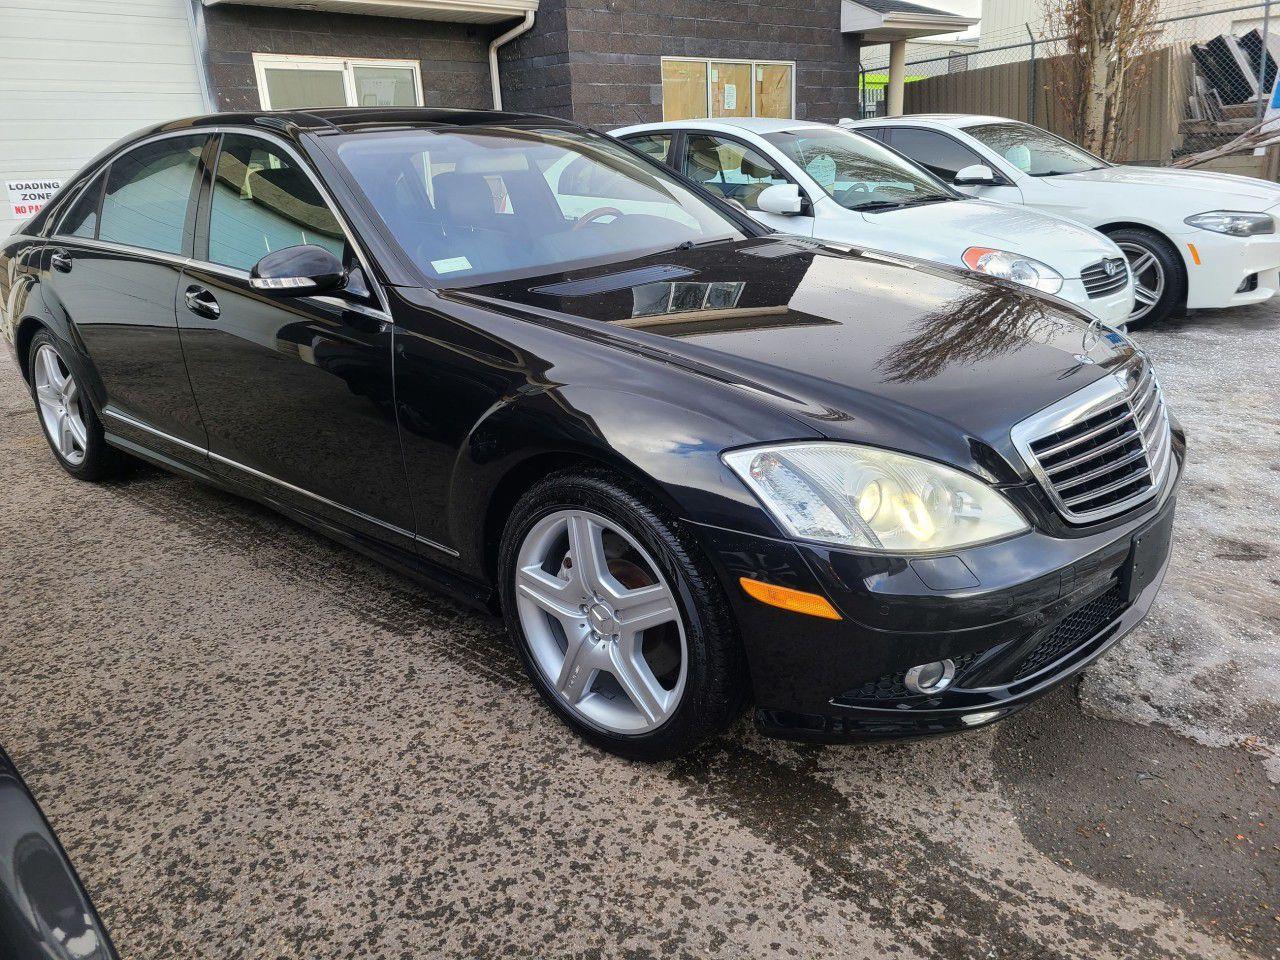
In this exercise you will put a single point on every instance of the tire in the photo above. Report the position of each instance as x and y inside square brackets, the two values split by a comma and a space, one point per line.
[80, 449]
[1164, 263]
[697, 698]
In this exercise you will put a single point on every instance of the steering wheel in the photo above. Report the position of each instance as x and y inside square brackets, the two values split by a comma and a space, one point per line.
[596, 214]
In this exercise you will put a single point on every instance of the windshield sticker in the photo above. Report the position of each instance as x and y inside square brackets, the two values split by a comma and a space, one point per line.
[823, 169]
[452, 265]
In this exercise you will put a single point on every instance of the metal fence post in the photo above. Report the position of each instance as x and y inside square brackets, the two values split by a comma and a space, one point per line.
[862, 92]
[1263, 93]
[1031, 93]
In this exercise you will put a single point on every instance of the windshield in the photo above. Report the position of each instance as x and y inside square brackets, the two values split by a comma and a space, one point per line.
[1034, 151]
[856, 172]
[480, 203]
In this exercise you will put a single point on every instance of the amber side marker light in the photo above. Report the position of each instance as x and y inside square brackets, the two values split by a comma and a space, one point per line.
[797, 601]
[1195, 254]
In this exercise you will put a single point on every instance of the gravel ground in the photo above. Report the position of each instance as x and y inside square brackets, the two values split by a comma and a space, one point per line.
[256, 744]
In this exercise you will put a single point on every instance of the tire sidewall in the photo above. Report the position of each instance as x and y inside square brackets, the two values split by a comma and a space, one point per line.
[650, 530]
[1175, 284]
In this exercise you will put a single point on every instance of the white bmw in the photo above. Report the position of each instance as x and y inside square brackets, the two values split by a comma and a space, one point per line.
[820, 181]
[1192, 237]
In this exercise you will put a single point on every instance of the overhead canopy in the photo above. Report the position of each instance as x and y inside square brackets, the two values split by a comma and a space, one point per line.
[882, 21]
[458, 11]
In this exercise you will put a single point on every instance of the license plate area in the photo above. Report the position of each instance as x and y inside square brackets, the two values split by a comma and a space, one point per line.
[1147, 553]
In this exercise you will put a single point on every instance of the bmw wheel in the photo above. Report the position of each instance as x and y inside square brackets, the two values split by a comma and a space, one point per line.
[619, 621]
[1159, 277]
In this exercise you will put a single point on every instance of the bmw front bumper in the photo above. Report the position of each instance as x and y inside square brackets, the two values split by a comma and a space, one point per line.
[1017, 617]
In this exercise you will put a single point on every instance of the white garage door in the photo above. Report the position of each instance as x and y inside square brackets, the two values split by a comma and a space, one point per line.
[76, 75]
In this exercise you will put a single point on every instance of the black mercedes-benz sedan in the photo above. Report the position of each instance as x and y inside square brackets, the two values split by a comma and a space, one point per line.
[693, 464]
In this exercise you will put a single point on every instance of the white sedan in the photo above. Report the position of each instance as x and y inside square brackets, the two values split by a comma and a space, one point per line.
[1192, 237]
[820, 181]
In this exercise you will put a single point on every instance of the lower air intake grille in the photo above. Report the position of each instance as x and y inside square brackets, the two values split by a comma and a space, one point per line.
[1102, 450]
[1079, 627]
[892, 686]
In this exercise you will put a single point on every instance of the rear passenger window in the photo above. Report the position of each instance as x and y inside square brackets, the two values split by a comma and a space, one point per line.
[263, 201]
[148, 194]
[82, 219]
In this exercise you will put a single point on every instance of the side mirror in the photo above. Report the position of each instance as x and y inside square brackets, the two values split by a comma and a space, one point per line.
[781, 198]
[976, 175]
[298, 272]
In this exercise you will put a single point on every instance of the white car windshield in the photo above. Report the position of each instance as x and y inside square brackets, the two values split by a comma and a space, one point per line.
[1035, 152]
[484, 203]
[857, 172]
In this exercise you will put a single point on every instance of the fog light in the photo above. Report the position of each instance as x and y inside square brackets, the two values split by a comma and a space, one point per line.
[930, 677]
[1249, 284]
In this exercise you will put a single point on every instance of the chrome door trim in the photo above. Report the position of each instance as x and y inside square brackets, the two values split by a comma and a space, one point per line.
[408, 534]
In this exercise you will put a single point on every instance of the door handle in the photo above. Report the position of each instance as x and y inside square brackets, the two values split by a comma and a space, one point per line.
[60, 262]
[201, 302]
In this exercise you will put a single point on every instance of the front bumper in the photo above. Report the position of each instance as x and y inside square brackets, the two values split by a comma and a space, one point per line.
[1018, 617]
[1225, 264]
[1112, 309]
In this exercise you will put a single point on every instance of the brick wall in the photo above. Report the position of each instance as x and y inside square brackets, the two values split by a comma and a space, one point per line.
[453, 56]
[599, 61]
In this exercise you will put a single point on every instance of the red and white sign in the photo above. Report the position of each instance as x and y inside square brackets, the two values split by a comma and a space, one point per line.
[26, 197]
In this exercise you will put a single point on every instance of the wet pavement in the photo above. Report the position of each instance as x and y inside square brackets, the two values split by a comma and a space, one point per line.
[254, 743]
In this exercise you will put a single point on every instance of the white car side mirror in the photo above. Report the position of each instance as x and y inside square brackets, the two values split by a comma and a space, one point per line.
[976, 175]
[781, 198]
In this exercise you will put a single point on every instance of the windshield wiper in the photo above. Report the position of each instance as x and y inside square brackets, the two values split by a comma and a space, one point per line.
[1061, 173]
[878, 205]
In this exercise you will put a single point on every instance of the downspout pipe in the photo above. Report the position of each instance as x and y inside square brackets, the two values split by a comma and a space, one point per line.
[523, 27]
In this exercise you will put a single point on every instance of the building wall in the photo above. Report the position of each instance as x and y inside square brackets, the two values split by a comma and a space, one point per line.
[599, 61]
[453, 57]
[77, 75]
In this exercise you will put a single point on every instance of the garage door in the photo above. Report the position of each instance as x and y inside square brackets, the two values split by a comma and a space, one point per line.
[76, 75]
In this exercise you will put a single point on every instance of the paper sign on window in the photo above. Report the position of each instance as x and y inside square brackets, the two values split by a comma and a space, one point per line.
[730, 96]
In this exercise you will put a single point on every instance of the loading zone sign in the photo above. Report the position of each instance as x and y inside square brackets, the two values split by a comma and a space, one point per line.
[26, 197]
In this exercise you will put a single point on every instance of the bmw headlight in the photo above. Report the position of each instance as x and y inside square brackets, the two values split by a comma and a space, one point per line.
[1013, 266]
[872, 499]
[1236, 223]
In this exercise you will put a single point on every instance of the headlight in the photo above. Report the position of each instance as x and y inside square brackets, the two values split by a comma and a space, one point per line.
[1013, 266]
[864, 497]
[1233, 222]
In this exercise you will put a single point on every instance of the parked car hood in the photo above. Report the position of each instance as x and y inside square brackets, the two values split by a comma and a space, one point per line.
[956, 226]
[1227, 188]
[857, 345]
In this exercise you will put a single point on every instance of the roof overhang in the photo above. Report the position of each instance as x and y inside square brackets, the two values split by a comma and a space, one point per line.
[877, 27]
[456, 11]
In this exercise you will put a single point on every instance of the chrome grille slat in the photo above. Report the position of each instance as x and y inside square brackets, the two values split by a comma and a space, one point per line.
[1091, 454]
[1104, 449]
[1098, 283]
[1110, 467]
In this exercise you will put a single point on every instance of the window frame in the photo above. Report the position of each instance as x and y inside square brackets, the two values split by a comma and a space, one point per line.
[344, 65]
[708, 94]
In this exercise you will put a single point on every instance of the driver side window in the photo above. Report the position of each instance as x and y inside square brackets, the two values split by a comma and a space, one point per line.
[734, 171]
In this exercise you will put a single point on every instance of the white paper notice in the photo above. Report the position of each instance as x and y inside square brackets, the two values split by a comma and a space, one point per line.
[730, 96]
[26, 197]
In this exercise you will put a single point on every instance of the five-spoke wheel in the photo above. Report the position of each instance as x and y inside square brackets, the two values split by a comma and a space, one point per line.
[619, 619]
[58, 396]
[1159, 277]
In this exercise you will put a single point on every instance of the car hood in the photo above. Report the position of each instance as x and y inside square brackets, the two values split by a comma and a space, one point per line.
[857, 345]
[956, 226]
[1244, 192]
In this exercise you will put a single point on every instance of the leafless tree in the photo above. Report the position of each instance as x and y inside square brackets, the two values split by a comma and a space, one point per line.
[1104, 45]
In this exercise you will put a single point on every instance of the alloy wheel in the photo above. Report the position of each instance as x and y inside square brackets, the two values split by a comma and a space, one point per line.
[601, 622]
[1148, 278]
[58, 397]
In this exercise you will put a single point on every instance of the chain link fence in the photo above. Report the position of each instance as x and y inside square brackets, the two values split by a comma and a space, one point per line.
[1206, 81]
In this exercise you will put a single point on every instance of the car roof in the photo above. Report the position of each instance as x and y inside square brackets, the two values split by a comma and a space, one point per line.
[727, 124]
[331, 120]
[957, 120]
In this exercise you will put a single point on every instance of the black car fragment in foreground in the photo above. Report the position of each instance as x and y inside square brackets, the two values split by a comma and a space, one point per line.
[695, 465]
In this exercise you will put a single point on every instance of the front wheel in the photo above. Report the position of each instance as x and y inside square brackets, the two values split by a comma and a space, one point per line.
[619, 620]
[1159, 276]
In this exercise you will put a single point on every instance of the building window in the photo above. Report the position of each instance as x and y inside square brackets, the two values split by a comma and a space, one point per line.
[295, 83]
[693, 89]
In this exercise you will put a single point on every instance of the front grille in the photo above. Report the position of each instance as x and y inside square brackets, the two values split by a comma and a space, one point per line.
[1098, 282]
[1101, 450]
[1081, 626]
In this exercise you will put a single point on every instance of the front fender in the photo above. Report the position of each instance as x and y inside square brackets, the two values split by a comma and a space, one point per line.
[672, 450]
